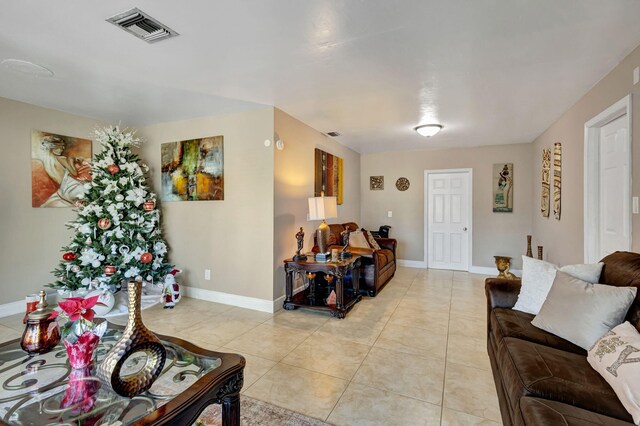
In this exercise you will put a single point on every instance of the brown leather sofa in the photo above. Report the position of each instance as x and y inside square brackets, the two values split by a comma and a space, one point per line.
[542, 379]
[378, 266]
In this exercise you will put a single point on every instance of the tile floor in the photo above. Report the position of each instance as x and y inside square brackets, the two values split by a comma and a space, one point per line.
[413, 355]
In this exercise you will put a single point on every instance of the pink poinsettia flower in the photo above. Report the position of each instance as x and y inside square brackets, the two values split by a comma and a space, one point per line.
[77, 307]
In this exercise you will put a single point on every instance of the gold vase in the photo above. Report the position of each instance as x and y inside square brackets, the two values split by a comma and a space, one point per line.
[136, 338]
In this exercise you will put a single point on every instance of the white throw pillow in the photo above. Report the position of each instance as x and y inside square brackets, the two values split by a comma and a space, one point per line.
[616, 356]
[594, 309]
[538, 276]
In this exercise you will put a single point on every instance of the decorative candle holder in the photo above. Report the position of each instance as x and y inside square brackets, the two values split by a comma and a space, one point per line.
[529, 252]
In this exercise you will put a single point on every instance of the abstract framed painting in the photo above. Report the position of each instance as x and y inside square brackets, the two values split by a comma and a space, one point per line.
[59, 169]
[328, 175]
[193, 170]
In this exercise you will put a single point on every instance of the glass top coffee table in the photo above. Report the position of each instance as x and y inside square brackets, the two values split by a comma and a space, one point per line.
[44, 390]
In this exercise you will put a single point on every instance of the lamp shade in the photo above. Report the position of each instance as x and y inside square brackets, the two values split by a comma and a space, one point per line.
[323, 208]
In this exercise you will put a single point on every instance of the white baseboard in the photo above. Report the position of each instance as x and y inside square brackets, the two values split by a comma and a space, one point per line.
[488, 270]
[484, 270]
[12, 308]
[411, 263]
[20, 306]
[254, 303]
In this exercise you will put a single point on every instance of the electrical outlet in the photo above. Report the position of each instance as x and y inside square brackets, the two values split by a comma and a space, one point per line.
[389, 213]
[207, 274]
[636, 75]
[636, 205]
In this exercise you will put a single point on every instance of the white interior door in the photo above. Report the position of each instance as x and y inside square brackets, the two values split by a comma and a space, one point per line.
[448, 220]
[614, 212]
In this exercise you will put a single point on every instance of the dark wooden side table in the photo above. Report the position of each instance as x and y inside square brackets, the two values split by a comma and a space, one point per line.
[311, 271]
[44, 390]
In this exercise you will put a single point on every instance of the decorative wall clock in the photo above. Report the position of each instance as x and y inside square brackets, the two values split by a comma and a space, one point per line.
[402, 184]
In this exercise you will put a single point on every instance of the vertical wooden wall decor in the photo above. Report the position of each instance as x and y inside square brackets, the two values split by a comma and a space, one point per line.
[557, 178]
[546, 191]
[328, 175]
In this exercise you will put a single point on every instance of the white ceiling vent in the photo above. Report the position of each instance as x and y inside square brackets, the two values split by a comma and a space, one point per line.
[142, 26]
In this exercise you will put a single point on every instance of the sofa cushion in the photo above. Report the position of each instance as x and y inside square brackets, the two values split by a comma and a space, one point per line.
[595, 309]
[510, 323]
[384, 257]
[357, 239]
[334, 234]
[615, 357]
[538, 276]
[536, 411]
[530, 369]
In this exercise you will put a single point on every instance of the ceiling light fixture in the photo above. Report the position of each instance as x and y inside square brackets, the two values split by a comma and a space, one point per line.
[26, 67]
[428, 130]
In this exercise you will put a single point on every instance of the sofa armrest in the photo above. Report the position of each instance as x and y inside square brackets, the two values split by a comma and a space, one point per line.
[388, 243]
[501, 293]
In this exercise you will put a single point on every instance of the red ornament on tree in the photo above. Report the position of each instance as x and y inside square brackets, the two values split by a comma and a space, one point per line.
[146, 257]
[104, 223]
[149, 205]
[69, 256]
[109, 270]
[113, 169]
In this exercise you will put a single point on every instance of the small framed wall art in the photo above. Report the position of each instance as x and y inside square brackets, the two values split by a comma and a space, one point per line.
[376, 183]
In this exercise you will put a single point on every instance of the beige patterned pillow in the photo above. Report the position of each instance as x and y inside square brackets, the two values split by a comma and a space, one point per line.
[372, 241]
[357, 239]
[616, 356]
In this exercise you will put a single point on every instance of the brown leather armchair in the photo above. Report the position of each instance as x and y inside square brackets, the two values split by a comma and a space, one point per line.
[377, 266]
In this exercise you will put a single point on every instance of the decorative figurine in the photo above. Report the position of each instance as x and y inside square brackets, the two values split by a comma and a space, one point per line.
[503, 263]
[345, 254]
[300, 240]
[171, 292]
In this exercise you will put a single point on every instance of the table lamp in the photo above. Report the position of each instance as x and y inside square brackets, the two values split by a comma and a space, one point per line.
[321, 208]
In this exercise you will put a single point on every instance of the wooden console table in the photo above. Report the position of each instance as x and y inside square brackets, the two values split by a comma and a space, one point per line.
[346, 296]
[44, 390]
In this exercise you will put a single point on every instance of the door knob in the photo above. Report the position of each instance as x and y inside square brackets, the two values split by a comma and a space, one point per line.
[464, 229]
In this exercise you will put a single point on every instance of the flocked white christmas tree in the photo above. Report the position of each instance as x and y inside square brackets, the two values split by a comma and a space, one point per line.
[117, 231]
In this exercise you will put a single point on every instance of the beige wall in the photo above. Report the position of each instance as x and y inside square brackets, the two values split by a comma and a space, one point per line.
[493, 233]
[294, 180]
[233, 238]
[563, 240]
[32, 238]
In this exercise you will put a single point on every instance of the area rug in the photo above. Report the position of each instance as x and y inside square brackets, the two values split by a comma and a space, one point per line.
[258, 413]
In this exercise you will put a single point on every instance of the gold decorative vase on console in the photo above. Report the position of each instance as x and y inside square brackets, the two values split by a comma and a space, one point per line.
[136, 338]
[503, 263]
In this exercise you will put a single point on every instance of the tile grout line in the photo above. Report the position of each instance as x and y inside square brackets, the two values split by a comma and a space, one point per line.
[446, 351]
[365, 357]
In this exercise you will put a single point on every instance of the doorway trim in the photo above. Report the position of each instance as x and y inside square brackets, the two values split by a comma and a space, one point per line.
[425, 213]
[592, 174]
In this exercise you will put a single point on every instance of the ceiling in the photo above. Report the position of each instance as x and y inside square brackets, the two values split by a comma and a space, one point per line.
[491, 71]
